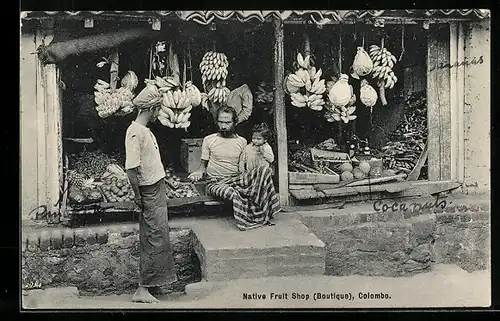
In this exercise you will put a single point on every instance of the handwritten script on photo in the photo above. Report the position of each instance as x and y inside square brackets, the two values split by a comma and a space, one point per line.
[381, 206]
[475, 61]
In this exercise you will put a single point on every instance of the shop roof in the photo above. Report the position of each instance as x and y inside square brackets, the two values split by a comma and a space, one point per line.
[313, 16]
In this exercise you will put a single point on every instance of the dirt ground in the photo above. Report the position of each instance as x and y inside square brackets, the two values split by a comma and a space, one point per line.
[445, 286]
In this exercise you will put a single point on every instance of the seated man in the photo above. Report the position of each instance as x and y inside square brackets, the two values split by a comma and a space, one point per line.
[253, 195]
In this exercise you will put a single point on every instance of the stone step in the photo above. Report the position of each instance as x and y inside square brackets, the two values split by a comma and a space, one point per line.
[226, 253]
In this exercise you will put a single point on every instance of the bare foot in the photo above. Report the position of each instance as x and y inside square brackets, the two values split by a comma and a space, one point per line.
[159, 291]
[142, 295]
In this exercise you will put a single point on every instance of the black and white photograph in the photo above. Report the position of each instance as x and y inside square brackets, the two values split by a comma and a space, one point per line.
[324, 159]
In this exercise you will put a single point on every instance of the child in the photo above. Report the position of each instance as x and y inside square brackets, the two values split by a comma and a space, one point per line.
[258, 152]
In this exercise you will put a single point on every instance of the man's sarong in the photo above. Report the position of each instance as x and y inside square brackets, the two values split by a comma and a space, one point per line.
[156, 259]
[253, 195]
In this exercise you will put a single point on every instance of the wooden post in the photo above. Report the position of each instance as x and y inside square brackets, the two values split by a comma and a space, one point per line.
[279, 111]
[40, 122]
[53, 134]
[438, 103]
[461, 104]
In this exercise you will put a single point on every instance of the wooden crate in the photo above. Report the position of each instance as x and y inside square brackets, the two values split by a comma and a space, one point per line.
[296, 178]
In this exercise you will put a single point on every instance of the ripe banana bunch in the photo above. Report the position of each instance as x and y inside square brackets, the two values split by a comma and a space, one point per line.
[305, 86]
[313, 101]
[219, 94]
[175, 109]
[345, 114]
[111, 101]
[383, 62]
[213, 66]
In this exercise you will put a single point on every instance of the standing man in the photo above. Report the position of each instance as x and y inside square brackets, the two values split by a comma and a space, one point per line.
[252, 193]
[146, 174]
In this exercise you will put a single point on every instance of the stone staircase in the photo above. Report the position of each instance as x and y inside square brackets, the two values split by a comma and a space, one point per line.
[286, 249]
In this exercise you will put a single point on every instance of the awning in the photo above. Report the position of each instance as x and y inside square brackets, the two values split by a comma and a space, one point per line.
[313, 16]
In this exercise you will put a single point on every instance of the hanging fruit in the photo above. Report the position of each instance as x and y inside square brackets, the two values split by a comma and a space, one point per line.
[305, 86]
[362, 64]
[118, 101]
[345, 114]
[367, 94]
[383, 62]
[340, 94]
[213, 67]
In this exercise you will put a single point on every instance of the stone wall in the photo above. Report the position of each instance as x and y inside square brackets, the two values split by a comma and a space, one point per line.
[98, 260]
[403, 242]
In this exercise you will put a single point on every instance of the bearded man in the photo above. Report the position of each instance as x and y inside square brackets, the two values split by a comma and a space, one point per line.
[252, 193]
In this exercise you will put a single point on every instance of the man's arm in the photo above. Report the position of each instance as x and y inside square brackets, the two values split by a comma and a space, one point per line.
[198, 174]
[132, 177]
[242, 162]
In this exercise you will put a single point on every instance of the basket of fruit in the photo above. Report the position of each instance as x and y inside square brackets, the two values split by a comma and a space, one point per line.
[117, 190]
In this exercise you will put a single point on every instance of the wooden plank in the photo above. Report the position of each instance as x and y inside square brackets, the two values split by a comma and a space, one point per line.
[453, 98]
[377, 180]
[52, 138]
[40, 122]
[312, 178]
[300, 186]
[415, 172]
[29, 125]
[306, 194]
[438, 102]
[461, 104]
[279, 111]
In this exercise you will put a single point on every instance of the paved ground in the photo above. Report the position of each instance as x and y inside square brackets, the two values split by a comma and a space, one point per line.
[445, 286]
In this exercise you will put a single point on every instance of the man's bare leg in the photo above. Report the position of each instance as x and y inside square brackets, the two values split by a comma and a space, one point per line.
[142, 295]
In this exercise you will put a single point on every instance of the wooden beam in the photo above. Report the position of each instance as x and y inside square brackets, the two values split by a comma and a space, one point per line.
[438, 103]
[279, 111]
[88, 23]
[156, 24]
[453, 98]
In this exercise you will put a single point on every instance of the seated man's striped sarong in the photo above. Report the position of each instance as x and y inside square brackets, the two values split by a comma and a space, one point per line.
[253, 195]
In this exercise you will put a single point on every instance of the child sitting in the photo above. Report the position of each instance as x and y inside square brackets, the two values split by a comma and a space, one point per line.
[258, 152]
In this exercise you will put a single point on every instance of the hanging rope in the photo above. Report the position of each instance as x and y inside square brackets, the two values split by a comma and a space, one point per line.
[190, 61]
[340, 50]
[402, 41]
[150, 62]
[363, 40]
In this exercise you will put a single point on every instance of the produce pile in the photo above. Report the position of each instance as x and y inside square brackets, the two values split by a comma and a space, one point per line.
[88, 164]
[87, 194]
[213, 67]
[115, 101]
[117, 190]
[408, 141]
[176, 189]
[305, 86]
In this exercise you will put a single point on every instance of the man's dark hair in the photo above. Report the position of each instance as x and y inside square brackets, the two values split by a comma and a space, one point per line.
[228, 110]
[262, 129]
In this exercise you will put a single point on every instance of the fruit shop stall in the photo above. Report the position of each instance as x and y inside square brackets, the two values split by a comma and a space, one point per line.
[348, 94]
[370, 110]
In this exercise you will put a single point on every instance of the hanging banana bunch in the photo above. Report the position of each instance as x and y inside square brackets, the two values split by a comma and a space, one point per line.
[213, 67]
[305, 86]
[119, 101]
[383, 63]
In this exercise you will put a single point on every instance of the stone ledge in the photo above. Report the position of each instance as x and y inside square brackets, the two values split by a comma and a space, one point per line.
[55, 239]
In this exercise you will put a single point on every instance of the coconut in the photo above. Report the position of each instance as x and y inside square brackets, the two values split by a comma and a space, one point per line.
[346, 167]
[364, 167]
[358, 173]
[346, 176]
